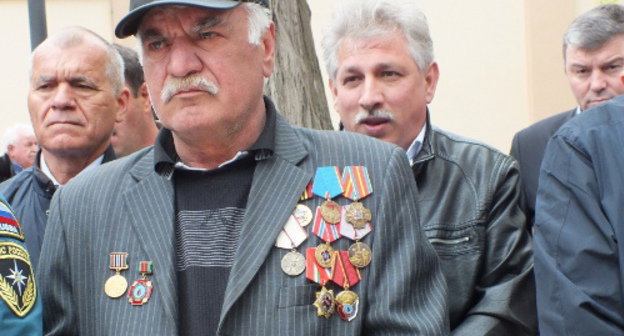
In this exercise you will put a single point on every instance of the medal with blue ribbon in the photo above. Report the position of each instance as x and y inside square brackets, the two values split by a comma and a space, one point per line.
[327, 185]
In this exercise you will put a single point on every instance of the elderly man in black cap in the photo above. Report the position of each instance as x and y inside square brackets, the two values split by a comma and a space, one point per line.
[235, 222]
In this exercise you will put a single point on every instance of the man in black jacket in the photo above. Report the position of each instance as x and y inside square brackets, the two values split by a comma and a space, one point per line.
[593, 52]
[382, 75]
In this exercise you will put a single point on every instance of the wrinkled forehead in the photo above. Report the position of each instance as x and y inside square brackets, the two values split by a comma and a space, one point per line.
[85, 59]
[158, 18]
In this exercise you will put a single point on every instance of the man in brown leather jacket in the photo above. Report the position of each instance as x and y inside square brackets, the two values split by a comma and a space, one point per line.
[382, 75]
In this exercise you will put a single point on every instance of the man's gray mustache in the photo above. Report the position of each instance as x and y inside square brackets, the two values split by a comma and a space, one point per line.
[195, 82]
[380, 113]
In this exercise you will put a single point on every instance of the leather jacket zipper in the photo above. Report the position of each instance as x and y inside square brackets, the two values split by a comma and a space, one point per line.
[449, 241]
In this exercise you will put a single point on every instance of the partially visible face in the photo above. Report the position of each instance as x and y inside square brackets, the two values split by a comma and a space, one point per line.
[379, 89]
[201, 71]
[594, 76]
[23, 152]
[129, 131]
[71, 102]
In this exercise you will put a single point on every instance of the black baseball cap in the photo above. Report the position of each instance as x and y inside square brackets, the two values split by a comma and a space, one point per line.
[129, 24]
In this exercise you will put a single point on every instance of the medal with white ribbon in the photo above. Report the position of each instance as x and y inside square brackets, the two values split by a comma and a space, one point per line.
[116, 285]
[345, 275]
[290, 237]
[141, 290]
[325, 302]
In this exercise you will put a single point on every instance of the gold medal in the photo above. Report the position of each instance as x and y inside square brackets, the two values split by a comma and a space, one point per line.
[330, 211]
[358, 215]
[323, 255]
[293, 263]
[347, 303]
[115, 286]
[359, 255]
[325, 303]
[303, 215]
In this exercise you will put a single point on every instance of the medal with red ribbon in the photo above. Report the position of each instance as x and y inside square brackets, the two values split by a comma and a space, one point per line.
[345, 275]
[289, 238]
[307, 193]
[325, 301]
[357, 185]
[141, 290]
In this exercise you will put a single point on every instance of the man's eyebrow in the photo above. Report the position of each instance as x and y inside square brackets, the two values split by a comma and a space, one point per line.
[208, 22]
[149, 34]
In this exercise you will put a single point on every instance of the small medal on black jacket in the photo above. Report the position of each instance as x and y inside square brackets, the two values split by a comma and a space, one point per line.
[141, 290]
[117, 285]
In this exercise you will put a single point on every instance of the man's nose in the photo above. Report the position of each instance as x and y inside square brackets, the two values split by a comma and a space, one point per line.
[183, 60]
[372, 95]
[63, 97]
[598, 81]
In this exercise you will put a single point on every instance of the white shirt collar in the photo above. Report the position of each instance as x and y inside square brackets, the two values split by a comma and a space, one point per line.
[416, 146]
[48, 173]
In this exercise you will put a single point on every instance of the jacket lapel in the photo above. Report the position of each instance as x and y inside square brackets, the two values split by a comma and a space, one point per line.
[277, 186]
[150, 208]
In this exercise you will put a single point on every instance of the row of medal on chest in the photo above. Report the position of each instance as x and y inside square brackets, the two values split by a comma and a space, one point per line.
[117, 286]
[323, 264]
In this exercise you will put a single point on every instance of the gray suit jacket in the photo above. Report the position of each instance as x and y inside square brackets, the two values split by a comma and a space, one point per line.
[125, 206]
[528, 148]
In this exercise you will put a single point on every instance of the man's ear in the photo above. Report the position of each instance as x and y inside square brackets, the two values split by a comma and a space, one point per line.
[147, 104]
[122, 104]
[268, 45]
[431, 81]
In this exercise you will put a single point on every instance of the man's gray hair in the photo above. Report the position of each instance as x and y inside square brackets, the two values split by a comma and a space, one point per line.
[596, 27]
[12, 134]
[372, 18]
[75, 36]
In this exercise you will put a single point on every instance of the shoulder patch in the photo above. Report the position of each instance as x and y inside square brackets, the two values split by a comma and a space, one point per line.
[9, 226]
[17, 283]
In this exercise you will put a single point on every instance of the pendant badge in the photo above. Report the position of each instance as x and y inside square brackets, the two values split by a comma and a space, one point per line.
[347, 304]
[141, 290]
[290, 237]
[325, 303]
[357, 185]
[116, 285]
[345, 275]
[360, 254]
[327, 232]
[303, 215]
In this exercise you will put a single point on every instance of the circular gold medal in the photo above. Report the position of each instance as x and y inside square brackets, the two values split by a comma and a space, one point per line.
[358, 215]
[330, 211]
[115, 286]
[303, 215]
[293, 263]
[323, 255]
[359, 255]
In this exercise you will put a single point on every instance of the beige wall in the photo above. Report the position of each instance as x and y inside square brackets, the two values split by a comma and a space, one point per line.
[500, 60]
